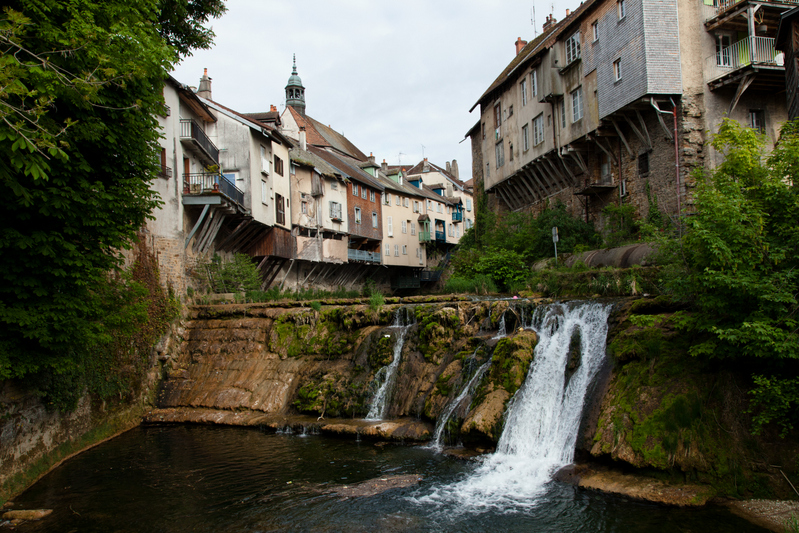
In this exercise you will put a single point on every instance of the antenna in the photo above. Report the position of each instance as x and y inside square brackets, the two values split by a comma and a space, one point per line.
[399, 157]
[532, 21]
[422, 151]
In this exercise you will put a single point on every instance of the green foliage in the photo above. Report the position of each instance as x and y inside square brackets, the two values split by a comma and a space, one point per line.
[737, 265]
[376, 301]
[316, 306]
[791, 524]
[622, 227]
[240, 274]
[81, 87]
[479, 284]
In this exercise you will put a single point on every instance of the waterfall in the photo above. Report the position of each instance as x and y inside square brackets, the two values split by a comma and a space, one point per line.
[543, 418]
[446, 414]
[501, 332]
[381, 401]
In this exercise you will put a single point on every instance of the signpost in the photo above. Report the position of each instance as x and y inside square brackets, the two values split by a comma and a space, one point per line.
[555, 240]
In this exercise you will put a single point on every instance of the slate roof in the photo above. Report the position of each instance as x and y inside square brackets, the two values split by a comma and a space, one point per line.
[348, 169]
[306, 158]
[418, 167]
[265, 116]
[249, 121]
[317, 134]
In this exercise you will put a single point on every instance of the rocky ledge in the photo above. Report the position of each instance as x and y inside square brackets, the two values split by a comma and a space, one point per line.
[401, 429]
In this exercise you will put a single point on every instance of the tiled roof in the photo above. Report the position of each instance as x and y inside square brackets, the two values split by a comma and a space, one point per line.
[272, 131]
[346, 168]
[418, 167]
[265, 116]
[312, 136]
[303, 157]
[317, 134]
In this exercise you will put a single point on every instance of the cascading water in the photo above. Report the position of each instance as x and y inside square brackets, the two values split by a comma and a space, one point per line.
[543, 418]
[446, 414]
[501, 331]
[380, 403]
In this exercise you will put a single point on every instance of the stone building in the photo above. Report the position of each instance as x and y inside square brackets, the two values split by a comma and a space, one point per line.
[614, 104]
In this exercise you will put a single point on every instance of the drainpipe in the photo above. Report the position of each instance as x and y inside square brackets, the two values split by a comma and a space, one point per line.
[673, 112]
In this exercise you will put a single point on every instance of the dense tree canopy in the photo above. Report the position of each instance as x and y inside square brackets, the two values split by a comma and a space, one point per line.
[80, 87]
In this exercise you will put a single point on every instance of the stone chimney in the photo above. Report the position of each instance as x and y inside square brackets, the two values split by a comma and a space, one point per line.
[519, 45]
[384, 166]
[272, 108]
[549, 23]
[425, 166]
[303, 141]
[205, 86]
[568, 12]
[372, 159]
[448, 167]
[454, 169]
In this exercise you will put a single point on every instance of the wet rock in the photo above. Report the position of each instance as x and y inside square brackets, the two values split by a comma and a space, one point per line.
[375, 486]
[485, 421]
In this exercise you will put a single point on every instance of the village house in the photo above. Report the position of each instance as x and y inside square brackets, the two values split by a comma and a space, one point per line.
[594, 109]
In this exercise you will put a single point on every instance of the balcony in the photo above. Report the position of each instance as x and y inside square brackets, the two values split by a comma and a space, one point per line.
[441, 236]
[720, 7]
[165, 172]
[424, 236]
[364, 256]
[193, 136]
[457, 216]
[206, 183]
[749, 55]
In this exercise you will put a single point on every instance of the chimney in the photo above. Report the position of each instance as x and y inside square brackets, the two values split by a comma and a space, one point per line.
[519, 45]
[568, 12]
[303, 142]
[272, 108]
[384, 166]
[205, 86]
[454, 170]
[372, 159]
[449, 168]
[425, 166]
[549, 23]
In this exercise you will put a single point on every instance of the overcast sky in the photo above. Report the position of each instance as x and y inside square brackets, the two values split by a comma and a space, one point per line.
[391, 76]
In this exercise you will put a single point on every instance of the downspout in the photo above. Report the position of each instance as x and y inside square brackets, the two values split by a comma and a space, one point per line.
[673, 112]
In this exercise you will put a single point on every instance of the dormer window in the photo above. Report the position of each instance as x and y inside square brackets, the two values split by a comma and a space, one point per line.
[573, 47]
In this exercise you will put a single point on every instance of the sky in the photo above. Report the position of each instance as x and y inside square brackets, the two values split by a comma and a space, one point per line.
[396, 78]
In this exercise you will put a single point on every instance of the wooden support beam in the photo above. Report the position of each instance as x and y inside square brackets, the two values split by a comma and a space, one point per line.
[659, 114]
[521, 193]
[575, 155]
[287, 274]
[642, 122]
[638, 133]
[541, 179]
[204, 231]
[524, 177]
[559, 177]
[607, 151]
[278, 265]
[501, 194]
[212, 234]
[742, 86]
[309, 274]
[196, 225]
[622, 137]
[235, 233]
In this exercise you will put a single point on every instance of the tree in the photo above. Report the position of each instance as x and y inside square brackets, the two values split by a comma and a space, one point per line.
[738, 268]
[80, 86]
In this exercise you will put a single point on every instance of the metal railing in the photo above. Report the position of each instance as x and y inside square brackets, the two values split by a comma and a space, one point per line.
[165, 172]
[210, 182]
[720, 6]
[190, 129]
[430, 275]
[457, 216]
[441, 236]
[747, 51]
[424, 236]
[363, 255]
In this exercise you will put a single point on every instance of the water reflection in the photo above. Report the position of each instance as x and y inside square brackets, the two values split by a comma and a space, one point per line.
[198, 479]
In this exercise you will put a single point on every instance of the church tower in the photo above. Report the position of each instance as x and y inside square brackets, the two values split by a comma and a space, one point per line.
[295, 92]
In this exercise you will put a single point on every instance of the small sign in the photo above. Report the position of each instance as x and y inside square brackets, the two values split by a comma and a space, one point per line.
[555, 234]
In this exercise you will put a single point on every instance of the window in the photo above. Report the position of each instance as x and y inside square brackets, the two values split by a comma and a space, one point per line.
[534, 82]
[264, 160]
[617, 69]
[497, 120]
[623, 188]
[723, 58]
[573, 47]
[304, 208]
[416, 206]
[538, 129]
[440, 208]
[355, 189]
[451, 231]
[620, 8]
[523, 90]
[280, 210]
[468, 204]
[604, 167]
[335, 211]
[387, 198]
[413, 228]
[399, 200]
[357, 215]
[396, 250]
[264, 192]
[595, 30]
[421, 255]
[278, 166]
[457, 232]
[390, 229]
[404, 226]
[643, 164]
[371, 196]
[405, 202]
[510, 150]
[757, 120]
[363, 192]
[525, 138]
[483, 125]
[334, 185]
[499, 151]
[404, 249]
[430, 205]
[577, 104]
[388, 249]
[563, 113]
[510, 111]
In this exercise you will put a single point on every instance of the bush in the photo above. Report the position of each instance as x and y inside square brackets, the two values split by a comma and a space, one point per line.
[480, 284]
[240, 274]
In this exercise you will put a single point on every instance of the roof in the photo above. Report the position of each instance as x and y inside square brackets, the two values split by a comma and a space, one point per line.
[191, 100]
[252, 123]
[305, 158]
[317, 134]
[528, 53]
[418, 168]
[346, 168]
[265, 116]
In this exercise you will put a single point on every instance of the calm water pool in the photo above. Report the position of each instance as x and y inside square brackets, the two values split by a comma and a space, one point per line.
[221, 479]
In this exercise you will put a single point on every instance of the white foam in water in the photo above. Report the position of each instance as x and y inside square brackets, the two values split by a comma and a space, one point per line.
[543, 418]
[380, 403]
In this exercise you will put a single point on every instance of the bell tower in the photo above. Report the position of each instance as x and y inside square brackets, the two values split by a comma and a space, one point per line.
[295, 92]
